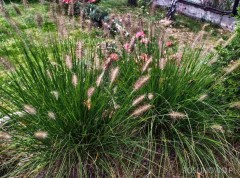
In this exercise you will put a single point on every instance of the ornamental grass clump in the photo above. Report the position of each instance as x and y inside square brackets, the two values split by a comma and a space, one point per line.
[71, 125]
[182, 115]
[136, 108]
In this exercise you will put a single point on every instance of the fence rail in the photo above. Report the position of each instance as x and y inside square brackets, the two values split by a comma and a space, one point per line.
[217, 6]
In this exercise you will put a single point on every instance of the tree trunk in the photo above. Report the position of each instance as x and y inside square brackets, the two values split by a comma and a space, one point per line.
[132, 2]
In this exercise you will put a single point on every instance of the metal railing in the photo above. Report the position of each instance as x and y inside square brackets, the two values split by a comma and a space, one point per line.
[211, 6]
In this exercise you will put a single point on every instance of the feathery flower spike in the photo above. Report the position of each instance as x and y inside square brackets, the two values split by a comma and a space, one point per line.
[113, 75]
[51, 115]
[68, 61]
[138, 100]
[141, 82]
[140, 110]
[74, 80]
[30, 109]
[40, 135]
[90, 92]
[177, 115]
[55, 94]
[99, 79]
